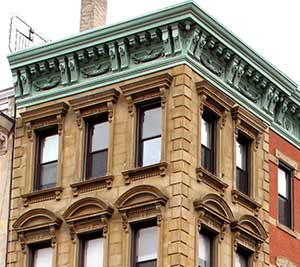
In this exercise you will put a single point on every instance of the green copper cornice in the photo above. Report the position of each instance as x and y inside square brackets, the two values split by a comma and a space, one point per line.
[182, 34]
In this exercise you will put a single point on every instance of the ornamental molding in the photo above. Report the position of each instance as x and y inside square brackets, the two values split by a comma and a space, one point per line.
[183, 34]
[249, 232]
[43, 117]
[214, 214]
[94, 103]
[88, 215]
[37, 225]
[214, 100]
[6, 127]
[139, 203]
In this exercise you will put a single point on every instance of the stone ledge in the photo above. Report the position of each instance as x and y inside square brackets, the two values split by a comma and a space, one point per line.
[245, 201]
[42, 195]
[140, 173]
[92, 185]
[211, 180]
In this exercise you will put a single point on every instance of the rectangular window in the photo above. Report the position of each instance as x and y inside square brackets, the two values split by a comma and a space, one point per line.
[41, 256]
[206, 242]
[47, 158]
[284, 196]
[243, 165]
[145, 245]
[91, 251]
[242, 258]
[97, 132]
[208, 148]
[149, 134]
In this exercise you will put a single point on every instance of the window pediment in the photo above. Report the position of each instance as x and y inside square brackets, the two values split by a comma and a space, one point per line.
[141, 202]
[214, 100]
[95, 103]
[44, 117]
[249, 233]
[37, 225]
[246, 123]
[88, 214]
[155, 86]
[214, 213]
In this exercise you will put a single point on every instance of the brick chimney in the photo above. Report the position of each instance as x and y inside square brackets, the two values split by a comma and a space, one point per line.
[93, 14]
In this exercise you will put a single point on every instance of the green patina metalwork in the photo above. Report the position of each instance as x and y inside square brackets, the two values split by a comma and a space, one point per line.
[182, 34]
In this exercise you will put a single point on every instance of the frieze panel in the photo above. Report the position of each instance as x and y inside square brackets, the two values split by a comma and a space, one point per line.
[153, 47]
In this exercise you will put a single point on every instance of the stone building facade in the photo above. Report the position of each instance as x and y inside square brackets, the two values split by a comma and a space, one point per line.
[7, 109]
[184, 112]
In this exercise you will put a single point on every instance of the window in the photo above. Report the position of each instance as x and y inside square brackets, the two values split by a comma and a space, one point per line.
[91, 251]
[41, 256]
[47, 157]
[242, 165]
[284, 196]
[97, 147]
[208, 125]
[145, 245]
[242, 258]
[206, 242]
[149, 134]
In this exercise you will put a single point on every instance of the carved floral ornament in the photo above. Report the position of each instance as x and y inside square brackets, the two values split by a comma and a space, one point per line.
[6, 126]
[87, 215]
[95, 103]
[139, 203]
[214, 214]
[44, 117]
[214, 100]
[150, 88]
[37, 225]
[249, 233]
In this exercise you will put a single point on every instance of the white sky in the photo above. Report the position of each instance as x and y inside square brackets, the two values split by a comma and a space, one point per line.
[270, 27]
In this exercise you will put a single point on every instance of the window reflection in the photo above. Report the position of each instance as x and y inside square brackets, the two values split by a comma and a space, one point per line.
[93, 252]
[42, 257]
[205, 250]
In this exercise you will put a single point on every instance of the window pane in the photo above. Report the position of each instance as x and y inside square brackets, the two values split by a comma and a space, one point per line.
[151, 151]
[49, 148]
[48, 174]
[206, 133]
[241, 155]
[282, 183]
[100, 136]
[151, 122]
[151, 263]
[205, 245]
[146, 240]
[42, 257]
[241, 260]
[93, 253]
[98, 166]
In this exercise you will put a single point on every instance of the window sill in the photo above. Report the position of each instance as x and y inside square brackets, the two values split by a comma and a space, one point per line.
[140, 173]
[211, 180]
[42, 195]
[286, 229]
[92, 185]
[245, 201]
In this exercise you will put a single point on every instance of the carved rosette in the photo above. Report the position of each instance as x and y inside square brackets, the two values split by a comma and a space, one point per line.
[88, 215]
[139, 203]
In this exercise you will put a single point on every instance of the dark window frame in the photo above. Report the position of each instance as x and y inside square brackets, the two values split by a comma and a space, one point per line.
[248, 254]
[34, 247]
[141, 108]
[213, 246]
[288, 171]
[41, 134]
[213, 119]
[82, 239]
[89, 123]
[134, 228]
[246, 188]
